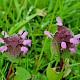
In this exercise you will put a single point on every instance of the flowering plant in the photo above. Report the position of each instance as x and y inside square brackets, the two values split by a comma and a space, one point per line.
[64, 37]
[16, 43]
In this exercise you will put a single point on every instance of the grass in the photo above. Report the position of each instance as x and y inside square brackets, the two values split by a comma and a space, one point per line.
[35, 16]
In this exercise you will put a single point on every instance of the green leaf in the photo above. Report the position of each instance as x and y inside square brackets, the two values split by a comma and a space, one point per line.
[11, 58]
[53, 47]
[51, 74]
[67, 68]
[22, 74]
[53, 44]
[66, 72]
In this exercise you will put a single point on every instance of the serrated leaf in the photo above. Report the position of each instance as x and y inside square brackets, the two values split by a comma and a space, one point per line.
[66, 72]
[54, 45]
[53, 48]
[51, 74]
[22, 74]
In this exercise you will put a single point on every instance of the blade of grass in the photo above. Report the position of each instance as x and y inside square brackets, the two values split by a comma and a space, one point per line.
[20, 24]
[5, 16]
[73, 7]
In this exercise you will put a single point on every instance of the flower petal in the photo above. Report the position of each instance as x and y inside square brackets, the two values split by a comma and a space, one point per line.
[74, 41]
[3, 48]
[24, 49]
[72, 50]
[5, 34]
[20, 32]
[27, 42]
[59, 21]
[77, 36]
[1, 40]
[63, 45]
[47, 33]
[24, 35]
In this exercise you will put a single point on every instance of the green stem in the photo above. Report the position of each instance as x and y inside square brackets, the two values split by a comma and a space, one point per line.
[74, 64]
[41, 55]
[36, 35]
[54, 11]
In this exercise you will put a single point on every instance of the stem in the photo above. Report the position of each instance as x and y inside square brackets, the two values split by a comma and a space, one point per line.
[41, 55]
[9, 71]
[54, 11]
[61, 63]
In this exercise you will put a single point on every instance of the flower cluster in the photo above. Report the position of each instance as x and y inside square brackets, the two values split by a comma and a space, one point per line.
[65, 37]
[16, 43]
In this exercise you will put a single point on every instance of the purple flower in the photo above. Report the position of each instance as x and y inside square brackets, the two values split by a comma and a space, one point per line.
[77, 36]
[72, 50]
[3, 48]
[59, 21]
[47, 33]
[27, 42]
[1, 40]
[65, 37]
[74, 41]
[63, 45]
[24, 49]
[16, 43]
[24, 35]
[5, 34]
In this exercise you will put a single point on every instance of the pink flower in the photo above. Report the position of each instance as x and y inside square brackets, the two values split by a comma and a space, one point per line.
[24, 49]
[77, 36]
[72, 50]
[74, 41]
[20, 32]
[1, 40]
[63, 45]
[24, 35]
[59, 21]
[47, 33]
[64, 37]
[5, 34]
[27, 42]
[16, 43]
[3, 48]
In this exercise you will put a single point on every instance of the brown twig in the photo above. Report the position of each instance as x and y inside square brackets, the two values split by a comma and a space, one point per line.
[9, 71]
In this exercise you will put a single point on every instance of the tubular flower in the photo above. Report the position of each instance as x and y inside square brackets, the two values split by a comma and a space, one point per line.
[63, 45]
[74, 41]
[16, 43]
[59, 21]
[65, 37]
[47, 33]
